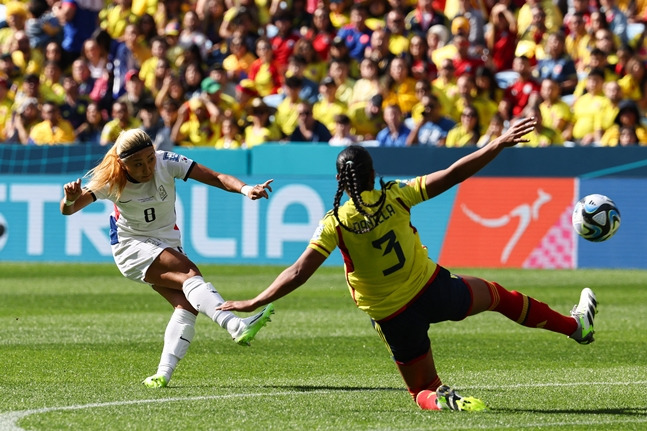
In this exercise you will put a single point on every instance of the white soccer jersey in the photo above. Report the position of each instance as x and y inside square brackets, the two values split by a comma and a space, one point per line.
[148, 209]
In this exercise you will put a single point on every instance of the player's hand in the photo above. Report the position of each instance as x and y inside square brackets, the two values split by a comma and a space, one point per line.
[73, 190]
[260, 190]
[515, 133]
[237, 306]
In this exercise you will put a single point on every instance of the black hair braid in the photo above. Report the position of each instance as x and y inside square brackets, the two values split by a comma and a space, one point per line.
[348, 180]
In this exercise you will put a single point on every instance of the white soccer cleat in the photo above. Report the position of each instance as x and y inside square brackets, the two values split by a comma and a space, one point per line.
[584, 313]
[250, 326]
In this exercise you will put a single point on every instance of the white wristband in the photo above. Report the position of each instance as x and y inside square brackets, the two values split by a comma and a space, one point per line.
[246, 189]
[69, 203]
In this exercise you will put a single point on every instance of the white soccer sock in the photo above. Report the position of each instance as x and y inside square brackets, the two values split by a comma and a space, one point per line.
[178, 336]
[204, 298]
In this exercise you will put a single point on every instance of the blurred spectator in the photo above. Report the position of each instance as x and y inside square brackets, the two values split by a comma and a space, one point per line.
[79, 18]
[400, 87]
[342, 135]
[420, 64]
[308, 129]
[616, 19]
[398, 34]
[247, 17]
[216, 101]
[51, 88]
[553, 18]
[464, 62]
[122, 120]
[339, 15]
[368, 85]
[42, 25]
[423, 17]
[340, 52]
[628, 117]
[5, 107]
[211, 14]
[532, 41]
[589, 110]
[378, 50]
[245, 93]
[136, 95]
[634, 83]
[558, 64]
[53, 130]
[96, 57]
[476, 22]
[25, 116]
[168, 12]
[54, 52]
[283, 42]
[501, 37]
[263, 71]
[340, 72]
[542, 136]
[230, 138]
[146, 24]
[356, 35]
[314, 69]
[261, 129]
[580, 7]
[28, 60]
[328, 105]
[171, 35]
[130, 54]
[613, 92]
[396, 132]
[494, 130]
[446, 80]
[556, 114]
[172, 90]
[433, 127]
[309, 89]
[30, 89]
[73, 108]
[157, 67]
[194, 126]
[604, 40]
[89, 131]
[578, 41]
[522, 91]
[151, 121]
[168, 113]
[467, 132]
[15, 18]
[322, 32]
[436, 37]
[628, 136]
[191, 34]
[218, 73]
[486, 84]
[239, 61]
[367, 118]
[596, 60]
[116, 16]
[191, 77]
[286, 116]
[468, 97]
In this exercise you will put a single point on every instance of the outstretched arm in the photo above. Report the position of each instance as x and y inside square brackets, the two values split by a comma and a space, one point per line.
[290, 279]
[229, 183]
[441, 181]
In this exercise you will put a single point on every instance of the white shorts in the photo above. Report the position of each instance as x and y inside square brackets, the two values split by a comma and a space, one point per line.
[135, 255]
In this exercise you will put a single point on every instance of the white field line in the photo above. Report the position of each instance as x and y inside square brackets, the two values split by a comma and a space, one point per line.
[8, 421]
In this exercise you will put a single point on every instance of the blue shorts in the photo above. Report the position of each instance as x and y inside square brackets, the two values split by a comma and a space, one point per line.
[445, 297]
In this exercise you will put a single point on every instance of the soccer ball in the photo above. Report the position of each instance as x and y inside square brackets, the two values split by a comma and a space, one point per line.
[596, 218]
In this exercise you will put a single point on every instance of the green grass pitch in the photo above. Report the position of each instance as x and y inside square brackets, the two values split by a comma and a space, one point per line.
[77, 340]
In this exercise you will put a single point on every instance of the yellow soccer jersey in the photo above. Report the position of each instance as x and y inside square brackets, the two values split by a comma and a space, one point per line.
[388, 266]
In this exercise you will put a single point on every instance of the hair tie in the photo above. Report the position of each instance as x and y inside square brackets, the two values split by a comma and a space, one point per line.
[349, 163]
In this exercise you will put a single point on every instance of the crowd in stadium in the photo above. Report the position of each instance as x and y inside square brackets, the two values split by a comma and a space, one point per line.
[230, 74]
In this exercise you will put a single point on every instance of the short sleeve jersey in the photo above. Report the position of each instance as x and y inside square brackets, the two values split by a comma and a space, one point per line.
[148, 209]
[387, 266]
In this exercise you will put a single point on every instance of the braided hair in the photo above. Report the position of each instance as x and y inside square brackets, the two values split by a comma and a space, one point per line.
[355, 168]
